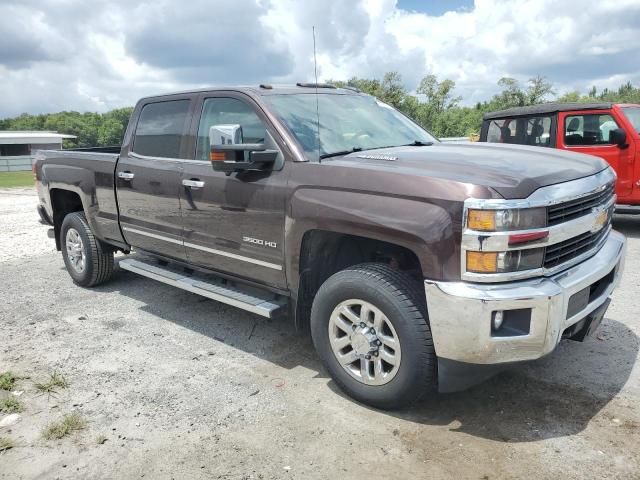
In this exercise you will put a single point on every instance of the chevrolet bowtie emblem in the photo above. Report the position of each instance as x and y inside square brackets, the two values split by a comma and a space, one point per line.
[601, 219]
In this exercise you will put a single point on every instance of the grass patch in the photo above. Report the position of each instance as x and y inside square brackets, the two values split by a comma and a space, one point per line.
[69, 424]
[100, 439]
[10, 405]
[16, 179]
[6, 444]
[54, 382]
[7, 381]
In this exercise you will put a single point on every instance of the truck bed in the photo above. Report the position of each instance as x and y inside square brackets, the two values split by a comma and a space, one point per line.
[87, 173]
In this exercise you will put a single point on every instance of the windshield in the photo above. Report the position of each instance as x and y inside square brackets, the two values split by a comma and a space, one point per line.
[347, 123]
[633, 115]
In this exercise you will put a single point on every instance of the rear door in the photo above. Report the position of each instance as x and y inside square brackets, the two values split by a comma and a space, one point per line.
[588, 132]
[234, 223]
[148, 177]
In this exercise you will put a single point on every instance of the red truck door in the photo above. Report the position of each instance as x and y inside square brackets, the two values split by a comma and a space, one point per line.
[587, 131]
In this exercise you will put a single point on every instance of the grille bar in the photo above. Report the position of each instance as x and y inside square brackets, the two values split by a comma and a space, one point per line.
[565, 251]
[566, 211]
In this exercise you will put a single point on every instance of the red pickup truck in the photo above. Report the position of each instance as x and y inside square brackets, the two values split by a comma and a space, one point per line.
[606, 130]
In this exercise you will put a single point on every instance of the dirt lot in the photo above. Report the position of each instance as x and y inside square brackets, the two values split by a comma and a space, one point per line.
[172, 385]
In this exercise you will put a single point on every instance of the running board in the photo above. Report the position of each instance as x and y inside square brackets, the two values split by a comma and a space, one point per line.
[264, 303]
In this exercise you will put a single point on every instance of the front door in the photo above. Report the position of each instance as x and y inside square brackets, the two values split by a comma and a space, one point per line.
[234, 223]
[588, 132]
[148, 179]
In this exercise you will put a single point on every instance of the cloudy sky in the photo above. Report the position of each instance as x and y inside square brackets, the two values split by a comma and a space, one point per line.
[97, 55]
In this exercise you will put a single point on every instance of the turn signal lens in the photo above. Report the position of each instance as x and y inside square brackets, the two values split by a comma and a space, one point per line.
[217, 156]
[483, 220]
[482, 262]
[504, 262]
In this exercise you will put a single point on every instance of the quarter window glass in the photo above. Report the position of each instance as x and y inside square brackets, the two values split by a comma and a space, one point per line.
[160, 128]
[228, 111]
[590, 129]
[538, 131]
[503, 130]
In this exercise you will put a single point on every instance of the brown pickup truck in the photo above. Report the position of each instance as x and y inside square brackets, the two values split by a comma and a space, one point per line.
[414, 265]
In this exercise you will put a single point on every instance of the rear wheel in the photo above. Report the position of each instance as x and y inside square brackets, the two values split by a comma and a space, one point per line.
[369, 326]
[88, 261]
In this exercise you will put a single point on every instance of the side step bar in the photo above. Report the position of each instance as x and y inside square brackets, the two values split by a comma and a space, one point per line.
[264, 304]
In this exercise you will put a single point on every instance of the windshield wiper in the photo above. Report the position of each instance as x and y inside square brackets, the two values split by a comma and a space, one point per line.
[342, 152]
[415, 143]
[418, 143]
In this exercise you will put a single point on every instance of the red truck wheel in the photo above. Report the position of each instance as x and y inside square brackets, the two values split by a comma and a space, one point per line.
[370, 328]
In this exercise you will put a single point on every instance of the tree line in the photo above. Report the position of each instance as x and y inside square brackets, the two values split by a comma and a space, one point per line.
[433, 105]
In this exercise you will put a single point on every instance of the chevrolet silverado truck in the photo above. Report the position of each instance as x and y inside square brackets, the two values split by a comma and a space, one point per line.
[610, 131]
[416, 266]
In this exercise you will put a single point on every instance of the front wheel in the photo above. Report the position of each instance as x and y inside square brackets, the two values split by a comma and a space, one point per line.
[88, 261]
[370, 328]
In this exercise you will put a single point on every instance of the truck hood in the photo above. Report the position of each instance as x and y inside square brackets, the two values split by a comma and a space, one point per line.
[513, 171]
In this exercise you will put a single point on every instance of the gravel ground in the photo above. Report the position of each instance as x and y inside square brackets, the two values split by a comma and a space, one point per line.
[177, 386]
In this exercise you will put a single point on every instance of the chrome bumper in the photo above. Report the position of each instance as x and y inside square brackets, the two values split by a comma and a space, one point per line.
[460, 313]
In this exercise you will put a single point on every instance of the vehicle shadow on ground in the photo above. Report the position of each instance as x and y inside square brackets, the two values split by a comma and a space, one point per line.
[627, 224]
[514, 406]
[517, 405]
[274, 340]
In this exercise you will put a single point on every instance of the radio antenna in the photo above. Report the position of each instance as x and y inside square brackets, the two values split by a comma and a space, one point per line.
[315, 69]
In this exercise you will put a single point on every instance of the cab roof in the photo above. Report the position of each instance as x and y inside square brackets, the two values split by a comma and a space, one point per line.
[546, 108]
[268, 89]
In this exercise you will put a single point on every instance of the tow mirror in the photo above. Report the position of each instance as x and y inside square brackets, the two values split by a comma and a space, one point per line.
[618, 137]
[230, 154]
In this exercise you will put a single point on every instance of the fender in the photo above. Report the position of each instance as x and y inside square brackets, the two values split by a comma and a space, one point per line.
[427, 229]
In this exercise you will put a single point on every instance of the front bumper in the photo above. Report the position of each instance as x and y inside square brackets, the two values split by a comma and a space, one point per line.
[460, 313]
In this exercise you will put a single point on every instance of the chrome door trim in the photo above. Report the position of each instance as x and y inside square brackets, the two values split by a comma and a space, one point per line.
[206, 249]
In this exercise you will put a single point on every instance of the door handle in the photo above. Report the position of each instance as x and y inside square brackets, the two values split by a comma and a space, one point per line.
[193, 184]
[126, 175]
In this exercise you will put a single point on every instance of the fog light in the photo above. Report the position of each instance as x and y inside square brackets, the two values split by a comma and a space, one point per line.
[498, 317]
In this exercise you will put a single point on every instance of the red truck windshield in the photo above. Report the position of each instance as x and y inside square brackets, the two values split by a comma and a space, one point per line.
[633, 115]
[347, 123]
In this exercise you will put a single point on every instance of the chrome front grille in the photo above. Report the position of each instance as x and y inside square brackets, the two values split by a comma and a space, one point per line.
[560, 213]
[563, 212]
[562, 252]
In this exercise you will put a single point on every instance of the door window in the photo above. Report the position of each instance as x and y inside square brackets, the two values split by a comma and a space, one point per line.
[160, 128]
[588, 129]
[228, 111]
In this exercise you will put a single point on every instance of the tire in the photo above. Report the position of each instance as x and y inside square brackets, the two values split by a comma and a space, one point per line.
[96, 258]
[399, 310]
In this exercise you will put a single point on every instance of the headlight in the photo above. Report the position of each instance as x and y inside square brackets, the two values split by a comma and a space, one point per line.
[503, 262]
[505, 220]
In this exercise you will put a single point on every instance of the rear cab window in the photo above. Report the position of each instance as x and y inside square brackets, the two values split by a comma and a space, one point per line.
[160, 129]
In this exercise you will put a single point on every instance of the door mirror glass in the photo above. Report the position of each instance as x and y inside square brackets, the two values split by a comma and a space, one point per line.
[618, 136]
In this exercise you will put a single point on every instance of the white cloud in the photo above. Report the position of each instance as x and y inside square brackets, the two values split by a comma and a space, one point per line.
[72, 54]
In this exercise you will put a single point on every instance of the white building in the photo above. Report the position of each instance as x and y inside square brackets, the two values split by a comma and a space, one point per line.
[16, 147]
